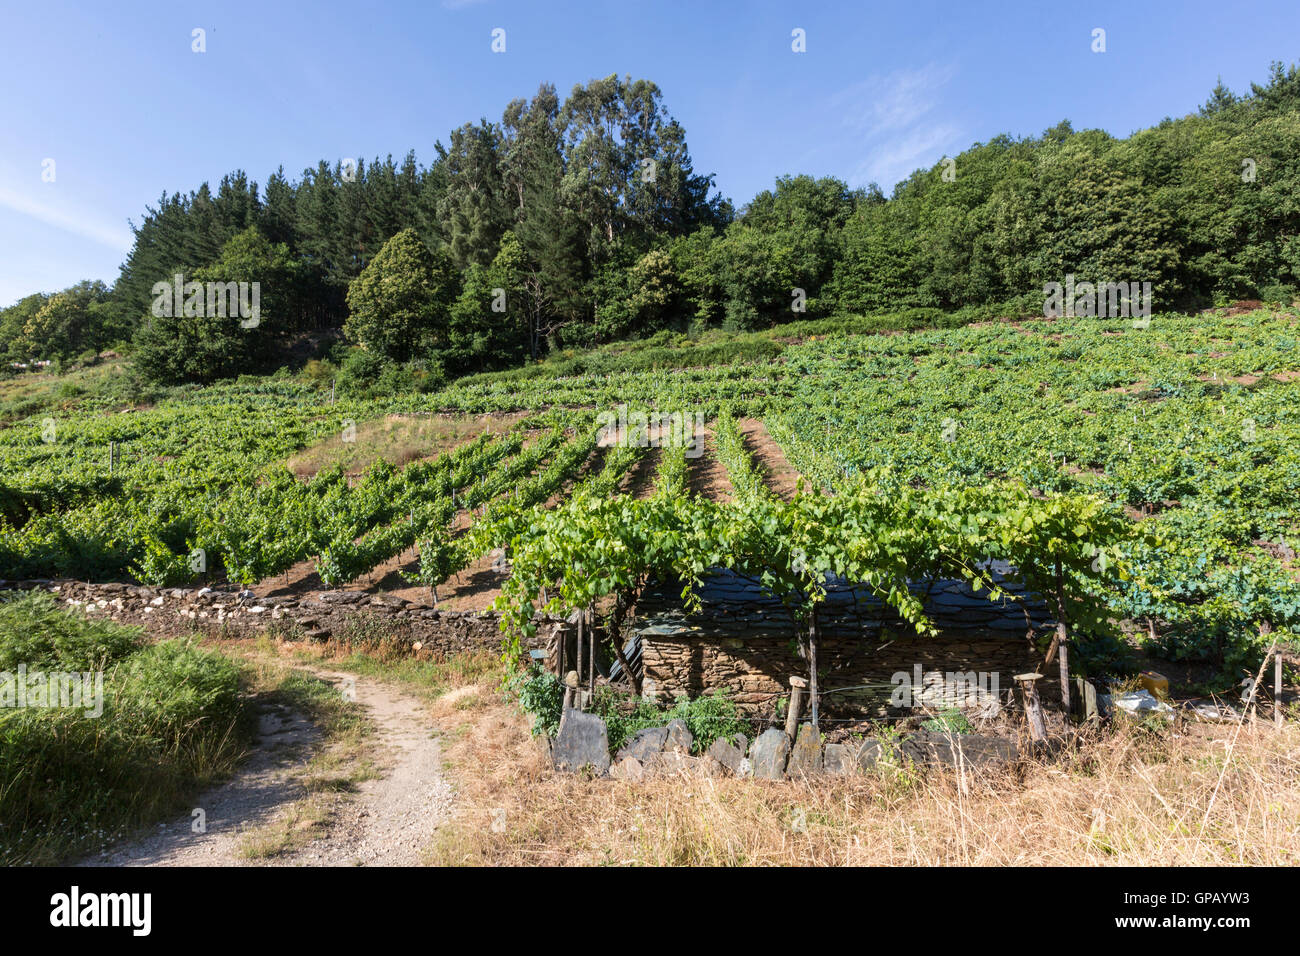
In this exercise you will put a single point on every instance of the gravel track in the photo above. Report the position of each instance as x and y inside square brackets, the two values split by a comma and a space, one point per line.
[387, 821]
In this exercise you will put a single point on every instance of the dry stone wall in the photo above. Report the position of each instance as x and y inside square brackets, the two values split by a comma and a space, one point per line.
[336, 614]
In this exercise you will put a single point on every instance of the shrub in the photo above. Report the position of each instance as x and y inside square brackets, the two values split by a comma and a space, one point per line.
[173, 720]
[950, 721]
[707, 717]
[541, 694]
[319, 371]
[35, 631]
[358, 373]
[1279, 294]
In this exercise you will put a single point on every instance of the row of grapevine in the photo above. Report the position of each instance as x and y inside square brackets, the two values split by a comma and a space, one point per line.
[746, 480]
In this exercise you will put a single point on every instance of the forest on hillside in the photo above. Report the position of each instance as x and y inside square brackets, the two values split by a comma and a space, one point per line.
[577, 221]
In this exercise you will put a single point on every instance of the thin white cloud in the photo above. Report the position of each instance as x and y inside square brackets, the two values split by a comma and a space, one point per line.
[893, 115]
[894, 161]
[77, 223]
[894, 101]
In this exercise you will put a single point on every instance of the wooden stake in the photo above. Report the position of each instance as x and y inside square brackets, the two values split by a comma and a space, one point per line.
[1033, 707]
[562, 638]
[1277, 691]
[1064, 652]
[570, 693]
[578, 663]
[812, 664]
[1062, 638]
[1265, 628]
[797, 685]
[591, 650]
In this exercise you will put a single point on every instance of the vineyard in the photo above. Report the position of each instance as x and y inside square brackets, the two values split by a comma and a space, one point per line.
[1144, 480]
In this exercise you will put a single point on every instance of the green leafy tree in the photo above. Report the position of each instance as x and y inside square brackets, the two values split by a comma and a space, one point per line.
[206, 336]
[488, 322]
[400, 302]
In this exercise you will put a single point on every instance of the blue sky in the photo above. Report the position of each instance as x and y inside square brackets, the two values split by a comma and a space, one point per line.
[114, 95]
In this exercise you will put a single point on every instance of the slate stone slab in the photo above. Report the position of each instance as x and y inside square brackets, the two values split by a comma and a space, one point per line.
[679, 737]
[951, 750]
[583, 741]
[671, 763]
[726, 754]
[644, 743]
[806, 755]
[629, 769]
[852, 756]
[836, 758]
[988, 751]
[870, 752]
[768, 754]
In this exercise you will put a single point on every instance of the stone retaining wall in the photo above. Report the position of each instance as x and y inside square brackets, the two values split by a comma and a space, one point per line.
[334, 614]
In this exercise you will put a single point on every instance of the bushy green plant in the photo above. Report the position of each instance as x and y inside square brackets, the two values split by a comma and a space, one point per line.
[35, 631]
[624, 716]
[541, 695]
[950, 721]
[172, 720]
[707, 717]
[174, 688]
[1280, 293]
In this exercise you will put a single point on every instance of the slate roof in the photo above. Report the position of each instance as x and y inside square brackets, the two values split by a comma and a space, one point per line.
[731, 603]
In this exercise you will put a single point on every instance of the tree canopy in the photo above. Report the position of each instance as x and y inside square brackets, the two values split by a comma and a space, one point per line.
[588, 212]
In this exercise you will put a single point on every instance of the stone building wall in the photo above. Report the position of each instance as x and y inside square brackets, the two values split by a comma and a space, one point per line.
[744, 641]
[756, 671]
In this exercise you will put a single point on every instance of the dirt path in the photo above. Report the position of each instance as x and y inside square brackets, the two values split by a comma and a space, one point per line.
[770, 459]
[705, 473]
[386, 821]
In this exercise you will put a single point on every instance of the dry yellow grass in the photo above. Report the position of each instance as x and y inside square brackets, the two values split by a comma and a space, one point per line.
[399, 439]
[1125, 798]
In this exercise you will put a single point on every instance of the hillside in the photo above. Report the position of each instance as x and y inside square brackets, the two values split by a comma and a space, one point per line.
[1184, 430]
[513, 244]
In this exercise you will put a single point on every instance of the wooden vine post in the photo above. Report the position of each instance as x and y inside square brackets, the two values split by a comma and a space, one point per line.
[577, 665]
[1277, 690]
[1249, 707]
[797, 685]
[812, 666]
[1033, 707]
[562, 639]
[1062, 639]
[570, 695]
[591, 650]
